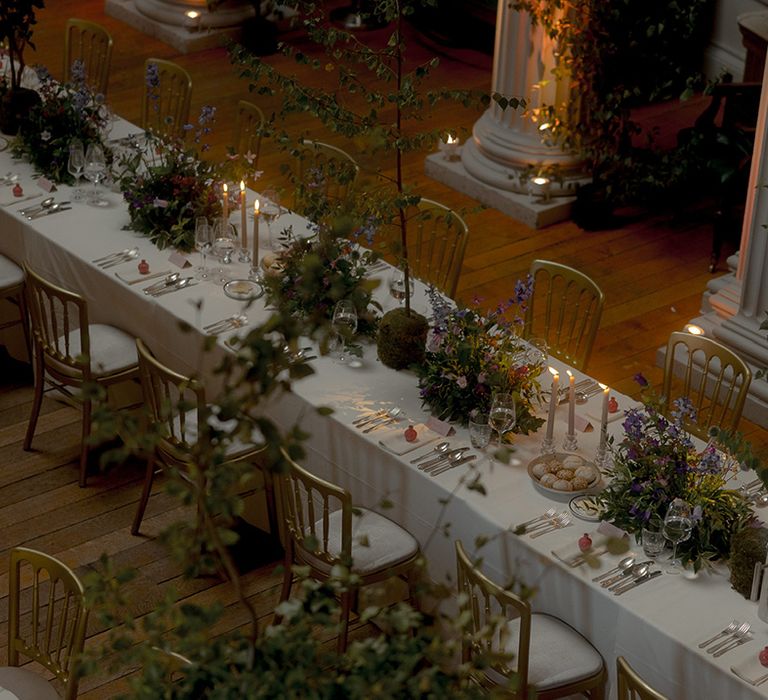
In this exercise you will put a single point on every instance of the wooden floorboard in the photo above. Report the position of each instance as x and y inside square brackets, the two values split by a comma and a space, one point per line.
[652, 268]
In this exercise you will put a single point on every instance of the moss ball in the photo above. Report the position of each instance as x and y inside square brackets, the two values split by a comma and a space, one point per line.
[402, 338]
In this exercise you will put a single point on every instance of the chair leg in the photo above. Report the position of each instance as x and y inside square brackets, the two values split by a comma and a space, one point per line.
[37, 402]
[285, 591]
[149, 477]
[85, 446]
[347, 599]
[24, 315]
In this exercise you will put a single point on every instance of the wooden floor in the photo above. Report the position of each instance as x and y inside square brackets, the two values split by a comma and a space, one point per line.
[653, 271]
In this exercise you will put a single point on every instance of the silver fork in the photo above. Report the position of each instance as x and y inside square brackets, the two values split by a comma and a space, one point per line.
[740, 638]
[561, 521]
[730, 629]
[548, 513]
[740, 632]
[546, 522]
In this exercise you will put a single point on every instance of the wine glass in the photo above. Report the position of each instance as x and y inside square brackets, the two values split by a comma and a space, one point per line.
[203, 245]
[224, 237]
[95, 170]
[502, 416]
[345, 324]
[270, 211]
[397, 285]
[678, 524]
[538, 351]
[75, 165]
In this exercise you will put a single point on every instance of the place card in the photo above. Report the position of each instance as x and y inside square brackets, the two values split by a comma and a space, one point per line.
[396, 443]
[610, 530]
[45, 184]
[179, 259]
[582, 424]
[441, 427]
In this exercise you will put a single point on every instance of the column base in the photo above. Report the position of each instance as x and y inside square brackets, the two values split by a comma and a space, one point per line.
[182, 38]
[534, 211]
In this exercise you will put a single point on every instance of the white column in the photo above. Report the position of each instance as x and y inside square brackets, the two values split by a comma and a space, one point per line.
[505, 143]
[173, 12]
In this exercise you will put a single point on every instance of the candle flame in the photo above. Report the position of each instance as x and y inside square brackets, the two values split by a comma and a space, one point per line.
[554, 372]
[568, 372]
[539, 180]
[544, 126]
[224, 187]
[693, 329]
[242, 186]
[451, 140]
[256, 207]
[604, 387]
[192, 14]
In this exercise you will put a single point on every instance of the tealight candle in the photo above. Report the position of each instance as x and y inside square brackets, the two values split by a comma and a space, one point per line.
[225, 206]
[539, 187]
[450, 147]
[192, 20]
[552, 403]
[243, 221]
[256, 233]
[571, 401]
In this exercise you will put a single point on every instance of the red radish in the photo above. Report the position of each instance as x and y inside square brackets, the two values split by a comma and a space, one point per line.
[613, 405]
[410, 434]
[143, 267]
[585, 542]
[17, 190]
[763, 656]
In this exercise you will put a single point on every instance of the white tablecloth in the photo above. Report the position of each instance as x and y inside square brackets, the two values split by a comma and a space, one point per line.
[656, 627]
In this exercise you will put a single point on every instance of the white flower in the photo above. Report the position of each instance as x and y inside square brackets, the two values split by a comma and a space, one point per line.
[45, 136]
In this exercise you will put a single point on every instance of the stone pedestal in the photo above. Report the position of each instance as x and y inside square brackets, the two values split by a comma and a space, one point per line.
[735, 305]
[167, 20]
[510, 147]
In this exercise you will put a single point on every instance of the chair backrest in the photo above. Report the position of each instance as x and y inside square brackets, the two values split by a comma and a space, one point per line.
[91, 44]
[59, 321]
[565, 310]
[248, 131]
[52, 633]
[322, 170]
[437, 241]
[714, 378]
[490, 607]
[631, 686]
[306, 504]
[166, 98]
[173, 401]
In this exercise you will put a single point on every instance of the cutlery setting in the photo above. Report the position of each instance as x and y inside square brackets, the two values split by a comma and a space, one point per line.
[226, 324]
[55, 208]
[522, 528]
[181, 283]
[386, 418]
[118, 258]
[741, 635]
[557, 523]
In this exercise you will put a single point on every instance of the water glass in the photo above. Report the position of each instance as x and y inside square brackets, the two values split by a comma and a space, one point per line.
[678, 524]
[203, 245]
[503, 414]
[479, 430]
[95, 170]
[344, 324]
[654, 541]
[397, 285]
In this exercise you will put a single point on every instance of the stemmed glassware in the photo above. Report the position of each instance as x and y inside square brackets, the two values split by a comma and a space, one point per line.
[345, 324]
[75, 166]
[203, 245]
[95, 170]
[678, 524]
[502, 416]
[397, 285]
[224, 241]
[269, 210]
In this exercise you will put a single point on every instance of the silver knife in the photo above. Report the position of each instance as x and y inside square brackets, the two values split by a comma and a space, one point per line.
[177, 287]
[458, 463]
[634, 584]
[48, 212]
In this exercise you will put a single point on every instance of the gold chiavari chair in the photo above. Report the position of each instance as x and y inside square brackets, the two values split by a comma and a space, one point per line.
[631, 686]
[92, 44]
[248, 131]
[51, 634]
[519, 653]
[70, 353]
[323, 170]
[714, 378]
[178, 404]
[320, 531]
[165, 105]
[12, 290]
[565, 310]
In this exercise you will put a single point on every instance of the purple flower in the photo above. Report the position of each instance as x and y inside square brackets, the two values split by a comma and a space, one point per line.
[640, 379]
[78, 72]
[152, 78]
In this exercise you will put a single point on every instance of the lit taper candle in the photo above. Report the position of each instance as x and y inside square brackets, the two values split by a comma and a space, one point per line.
[552, 403]
[243, 221]
[571, 401]
[225, 206]
[256, 233]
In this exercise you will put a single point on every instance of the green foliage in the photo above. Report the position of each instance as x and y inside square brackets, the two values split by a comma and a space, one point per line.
[748, 547]
[17, 19]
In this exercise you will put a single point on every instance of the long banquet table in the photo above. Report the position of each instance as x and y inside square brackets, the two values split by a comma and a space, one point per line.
[656, 627]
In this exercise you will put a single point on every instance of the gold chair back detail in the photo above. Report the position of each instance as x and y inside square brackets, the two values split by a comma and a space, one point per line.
[322, 170]
[631, 686]
[714, 378]
[64, 355]
[165, 105]
[565, 310]
[91, 44]
[500, 633]
[248, 132]
[53, 632]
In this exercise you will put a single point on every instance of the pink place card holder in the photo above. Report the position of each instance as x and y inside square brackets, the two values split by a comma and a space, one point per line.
[439, 426]
[45, 184]
[179, 260]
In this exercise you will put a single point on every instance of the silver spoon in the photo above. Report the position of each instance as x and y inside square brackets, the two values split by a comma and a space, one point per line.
[181, 284]
[623, 565]
[47, 210]
[447, 457]
[163, 283]
[42, 205]
[635, 571]
[440, 448]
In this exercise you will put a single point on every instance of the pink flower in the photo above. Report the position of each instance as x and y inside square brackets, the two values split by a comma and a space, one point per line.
[481, 378]
[461, 382]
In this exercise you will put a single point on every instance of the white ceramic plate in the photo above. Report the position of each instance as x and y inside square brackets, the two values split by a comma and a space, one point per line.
[243, 290]
[587, 508]
[556, 494]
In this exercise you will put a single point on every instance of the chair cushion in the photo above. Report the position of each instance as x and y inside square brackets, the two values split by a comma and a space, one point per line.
[112, 350]
[26, 685]
[387, 544]
[10, 273]
[558, 654]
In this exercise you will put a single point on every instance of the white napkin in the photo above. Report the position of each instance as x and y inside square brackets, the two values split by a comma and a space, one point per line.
[750, 669]
[571, 555]
[395, 440]
[597, 415]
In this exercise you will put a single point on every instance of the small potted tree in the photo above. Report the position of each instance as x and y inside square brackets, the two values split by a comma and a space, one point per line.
[17, 18]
